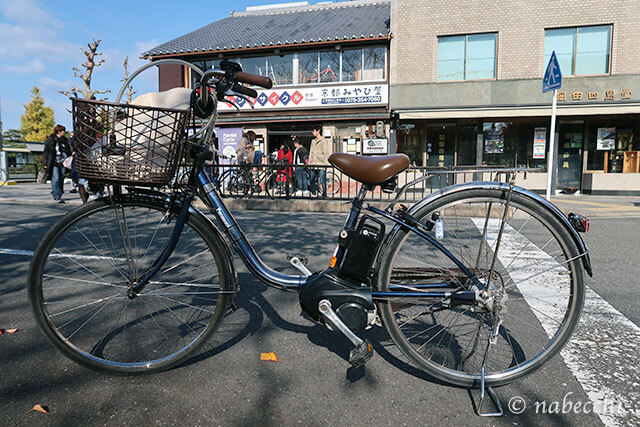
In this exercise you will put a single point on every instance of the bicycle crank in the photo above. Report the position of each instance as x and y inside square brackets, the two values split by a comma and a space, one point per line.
[363, 350]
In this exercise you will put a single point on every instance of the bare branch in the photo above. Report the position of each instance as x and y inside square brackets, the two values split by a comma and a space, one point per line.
[86, 75]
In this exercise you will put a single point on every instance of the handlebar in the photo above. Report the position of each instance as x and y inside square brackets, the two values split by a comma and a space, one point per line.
[245, 90]
[254, 79]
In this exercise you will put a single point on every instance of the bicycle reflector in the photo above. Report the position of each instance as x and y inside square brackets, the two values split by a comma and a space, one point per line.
[580, 223]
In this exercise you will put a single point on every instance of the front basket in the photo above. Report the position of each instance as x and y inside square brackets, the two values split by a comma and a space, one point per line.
[127, 144]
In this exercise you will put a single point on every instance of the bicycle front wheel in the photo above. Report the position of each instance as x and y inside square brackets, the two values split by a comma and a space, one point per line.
[537, 278]
[82, 271]
[334, 183]
[279, 185]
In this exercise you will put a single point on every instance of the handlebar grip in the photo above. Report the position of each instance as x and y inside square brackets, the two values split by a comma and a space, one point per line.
[245, 90]
[254, 79]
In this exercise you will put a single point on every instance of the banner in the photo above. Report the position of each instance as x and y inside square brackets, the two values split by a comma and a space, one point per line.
[228, 140]
[539, 142]
[296, 97]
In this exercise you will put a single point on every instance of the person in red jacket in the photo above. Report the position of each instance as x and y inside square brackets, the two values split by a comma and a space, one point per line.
[285, 154]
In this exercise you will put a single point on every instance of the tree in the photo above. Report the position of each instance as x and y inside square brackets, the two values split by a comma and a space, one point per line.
[89, 65]
[129, 91]
[36, 124]
[12, 135]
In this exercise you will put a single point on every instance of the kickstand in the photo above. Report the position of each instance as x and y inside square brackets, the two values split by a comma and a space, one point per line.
[484, 392]
[484, 389]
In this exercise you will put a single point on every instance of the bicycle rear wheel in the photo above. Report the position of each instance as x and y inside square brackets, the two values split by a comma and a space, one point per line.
[83, 268]
[537, 276]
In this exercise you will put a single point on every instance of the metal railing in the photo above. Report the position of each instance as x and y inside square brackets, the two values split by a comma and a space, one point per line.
[25, 172]
[419, 181]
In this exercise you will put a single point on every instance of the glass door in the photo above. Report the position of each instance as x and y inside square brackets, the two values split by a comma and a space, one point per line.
[569, 167]
[441, 144]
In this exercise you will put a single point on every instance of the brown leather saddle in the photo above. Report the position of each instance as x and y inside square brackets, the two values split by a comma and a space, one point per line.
[370, 170]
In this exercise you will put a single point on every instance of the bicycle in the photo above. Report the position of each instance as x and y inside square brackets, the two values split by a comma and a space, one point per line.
[478, 284]
[242, 181]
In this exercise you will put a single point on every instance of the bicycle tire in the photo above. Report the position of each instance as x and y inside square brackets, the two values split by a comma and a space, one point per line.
[230, 183]
[538, 269]
[80, 275]
[279, 185]
[334, 183]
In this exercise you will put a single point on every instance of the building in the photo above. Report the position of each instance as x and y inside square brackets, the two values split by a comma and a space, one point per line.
[466, 80]
[328, 61]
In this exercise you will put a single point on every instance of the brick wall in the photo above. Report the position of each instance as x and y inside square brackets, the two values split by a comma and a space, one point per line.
[520, 25]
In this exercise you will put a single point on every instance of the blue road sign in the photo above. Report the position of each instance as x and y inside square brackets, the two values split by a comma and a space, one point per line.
[553, 76]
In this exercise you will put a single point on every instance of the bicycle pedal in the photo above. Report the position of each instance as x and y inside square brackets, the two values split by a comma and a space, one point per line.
[360, 354]
[302, 258]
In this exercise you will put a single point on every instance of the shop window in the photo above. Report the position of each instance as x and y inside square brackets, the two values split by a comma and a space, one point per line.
[468, 57]
[499, 144]
[374, 63]
[611, 144]
[255, 65]
[280, 69]
[351, 65]
[412, 142]
[467, 144]
[329, 67]
[308, 67]
[580, 50]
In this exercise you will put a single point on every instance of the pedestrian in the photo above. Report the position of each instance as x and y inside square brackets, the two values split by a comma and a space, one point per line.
[286, 156]
[246, 149]
[319, 156]
[300, 159]
[56, 149]
[80, 184]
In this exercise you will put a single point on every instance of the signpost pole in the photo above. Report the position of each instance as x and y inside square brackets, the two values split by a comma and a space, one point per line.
[552, 147]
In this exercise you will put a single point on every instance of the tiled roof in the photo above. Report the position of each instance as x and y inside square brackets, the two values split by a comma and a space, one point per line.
[325, 22]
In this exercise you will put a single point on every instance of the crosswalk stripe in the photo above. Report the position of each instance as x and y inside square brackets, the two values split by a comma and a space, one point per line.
[602, 342]
[18, 252]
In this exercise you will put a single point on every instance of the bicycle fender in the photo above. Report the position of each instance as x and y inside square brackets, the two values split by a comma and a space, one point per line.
[586, 259]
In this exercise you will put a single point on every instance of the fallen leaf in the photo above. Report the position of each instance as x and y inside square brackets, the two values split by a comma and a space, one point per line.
[11, 331]
[269, 357]
[40, 408]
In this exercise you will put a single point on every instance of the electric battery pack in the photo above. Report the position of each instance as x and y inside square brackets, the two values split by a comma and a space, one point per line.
[362, 248]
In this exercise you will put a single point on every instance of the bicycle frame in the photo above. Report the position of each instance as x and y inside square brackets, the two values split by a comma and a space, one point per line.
[295, 282]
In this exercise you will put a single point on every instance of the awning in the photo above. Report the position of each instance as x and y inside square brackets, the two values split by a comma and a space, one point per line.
[473, 112]
[250, 119]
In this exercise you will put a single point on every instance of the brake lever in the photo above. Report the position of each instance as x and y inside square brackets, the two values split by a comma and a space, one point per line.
[228, 101]
[240, 95]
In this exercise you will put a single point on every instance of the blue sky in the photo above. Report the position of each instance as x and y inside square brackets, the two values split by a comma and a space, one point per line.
[41, 41]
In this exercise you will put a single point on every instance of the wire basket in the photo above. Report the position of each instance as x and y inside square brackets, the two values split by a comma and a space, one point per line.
[127, 144]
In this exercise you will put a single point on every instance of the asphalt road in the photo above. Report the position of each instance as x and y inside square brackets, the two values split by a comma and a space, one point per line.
[227, 384]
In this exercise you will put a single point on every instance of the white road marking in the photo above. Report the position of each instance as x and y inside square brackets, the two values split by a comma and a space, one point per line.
[52, 255]
[599, 350]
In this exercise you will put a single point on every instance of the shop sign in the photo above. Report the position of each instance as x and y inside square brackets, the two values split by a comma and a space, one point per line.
[352, 95]
[228, 140]
[607, 95]
[539, 142]
[606, 139]
[375, 146]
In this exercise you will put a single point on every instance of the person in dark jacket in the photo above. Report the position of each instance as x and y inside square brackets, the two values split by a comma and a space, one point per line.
[300, 158]
[56, 149]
